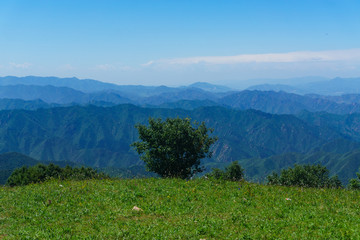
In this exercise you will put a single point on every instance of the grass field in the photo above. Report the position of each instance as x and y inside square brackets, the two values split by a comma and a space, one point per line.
[176, 209]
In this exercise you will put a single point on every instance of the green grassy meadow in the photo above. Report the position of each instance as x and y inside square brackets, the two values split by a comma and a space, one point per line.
[176, 209]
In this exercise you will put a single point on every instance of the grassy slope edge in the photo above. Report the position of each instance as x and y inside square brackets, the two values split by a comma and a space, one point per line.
[176, 209]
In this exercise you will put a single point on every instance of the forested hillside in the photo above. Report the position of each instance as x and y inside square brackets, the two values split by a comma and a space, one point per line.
[101, 136]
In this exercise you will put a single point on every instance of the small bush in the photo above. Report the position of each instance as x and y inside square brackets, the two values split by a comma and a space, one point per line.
[41, 173]
[315, 176]
[234, 172]
[354, 183]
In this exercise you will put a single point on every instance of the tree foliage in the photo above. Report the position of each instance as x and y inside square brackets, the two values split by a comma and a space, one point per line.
[315, 176]
[40, 173]
[174, 147]
[354, 183]
[233, 172]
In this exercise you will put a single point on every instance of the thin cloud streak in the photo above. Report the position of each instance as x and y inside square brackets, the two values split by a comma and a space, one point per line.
[112, 67]
[105, 67]
[20, 65]
[290, 57]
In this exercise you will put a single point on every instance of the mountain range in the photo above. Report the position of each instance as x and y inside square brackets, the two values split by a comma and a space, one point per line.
[187, 97]
[87, 122]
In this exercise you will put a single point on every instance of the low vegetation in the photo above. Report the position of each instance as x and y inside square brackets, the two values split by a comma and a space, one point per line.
[176, 209]
[315, 176]
[234, 172]
[354, 183]
[41, 173]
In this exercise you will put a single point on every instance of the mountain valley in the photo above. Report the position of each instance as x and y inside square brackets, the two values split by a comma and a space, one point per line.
[91, 123]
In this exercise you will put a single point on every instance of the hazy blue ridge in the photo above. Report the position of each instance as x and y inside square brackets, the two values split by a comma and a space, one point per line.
[66, 91]
[336, 86]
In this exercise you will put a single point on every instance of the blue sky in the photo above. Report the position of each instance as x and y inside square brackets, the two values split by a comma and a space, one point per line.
[170, 42]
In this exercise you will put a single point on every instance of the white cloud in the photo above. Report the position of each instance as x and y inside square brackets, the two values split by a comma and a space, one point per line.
[20, 65]
[112, 67]
[290, 57]
[67, 67]
[149, 63]
[105, 67]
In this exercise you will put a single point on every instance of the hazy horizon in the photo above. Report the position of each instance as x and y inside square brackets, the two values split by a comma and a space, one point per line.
[236, 86]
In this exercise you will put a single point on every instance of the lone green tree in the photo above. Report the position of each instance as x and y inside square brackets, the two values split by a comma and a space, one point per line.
[174, 147]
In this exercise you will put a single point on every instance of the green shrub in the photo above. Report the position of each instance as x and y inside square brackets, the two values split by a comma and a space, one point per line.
[354, 183]
[315, 176]
[41, 173]
[233, 172]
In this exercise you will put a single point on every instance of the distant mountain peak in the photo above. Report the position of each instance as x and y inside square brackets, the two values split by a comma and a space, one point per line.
[210, 87]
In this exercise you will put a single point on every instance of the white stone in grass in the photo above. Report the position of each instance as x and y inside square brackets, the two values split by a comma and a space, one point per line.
[135, 208]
